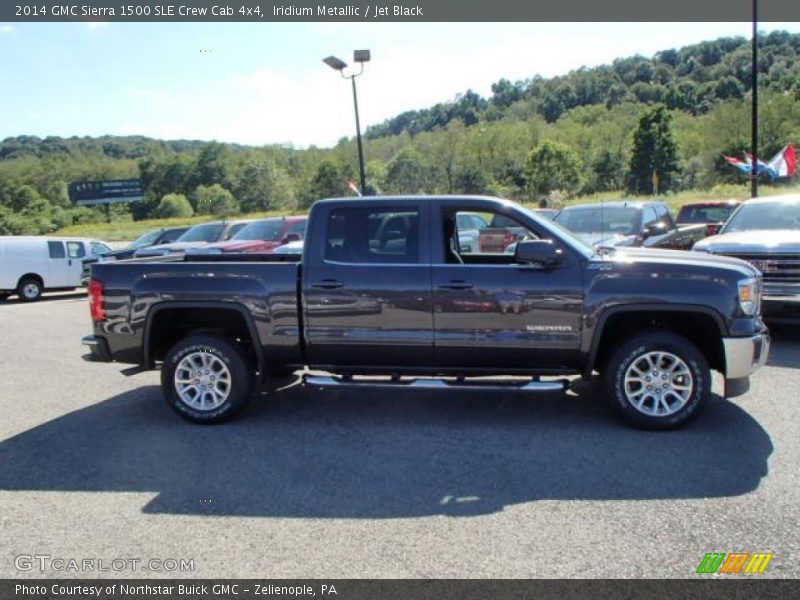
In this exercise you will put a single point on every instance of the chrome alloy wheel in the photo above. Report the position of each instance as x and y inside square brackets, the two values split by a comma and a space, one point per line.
[658, 384]
[202, 381]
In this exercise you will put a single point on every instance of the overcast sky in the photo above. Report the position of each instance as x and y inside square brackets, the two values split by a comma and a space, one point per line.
[254, 83]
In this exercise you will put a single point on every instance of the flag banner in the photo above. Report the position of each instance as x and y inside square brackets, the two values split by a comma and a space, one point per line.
[783, 164]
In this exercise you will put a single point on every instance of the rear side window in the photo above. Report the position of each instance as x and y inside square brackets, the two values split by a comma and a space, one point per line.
[75, 250]
[365, 235]
[56, 249]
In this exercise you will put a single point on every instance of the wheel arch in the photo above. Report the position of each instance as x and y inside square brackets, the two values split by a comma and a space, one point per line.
[188, 318]
[30, 275]
[703, 326]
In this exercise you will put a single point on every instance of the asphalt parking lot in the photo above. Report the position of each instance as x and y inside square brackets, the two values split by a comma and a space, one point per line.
[343, 484]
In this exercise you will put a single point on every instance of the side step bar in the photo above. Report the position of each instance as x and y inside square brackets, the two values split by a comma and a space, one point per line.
[436, 384]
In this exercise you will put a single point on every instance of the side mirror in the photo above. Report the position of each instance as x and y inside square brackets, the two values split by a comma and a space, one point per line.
[292, 237]
[654, 229]
[541, 252]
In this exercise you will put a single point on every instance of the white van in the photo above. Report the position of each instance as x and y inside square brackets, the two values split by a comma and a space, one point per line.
[30, 265]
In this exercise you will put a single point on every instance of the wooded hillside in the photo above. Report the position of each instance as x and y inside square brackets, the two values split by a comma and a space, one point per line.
[539, 139]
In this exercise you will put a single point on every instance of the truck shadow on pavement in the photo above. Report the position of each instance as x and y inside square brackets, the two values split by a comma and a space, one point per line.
[310, 453]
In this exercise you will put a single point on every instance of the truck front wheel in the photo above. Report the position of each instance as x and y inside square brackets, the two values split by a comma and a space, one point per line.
[658, 380]
[206, 379]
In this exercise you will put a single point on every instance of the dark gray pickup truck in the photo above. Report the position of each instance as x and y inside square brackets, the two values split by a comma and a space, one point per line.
[382, 296]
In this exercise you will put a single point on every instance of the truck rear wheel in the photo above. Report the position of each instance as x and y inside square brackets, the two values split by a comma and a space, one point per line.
[658, 380]
[206, 379]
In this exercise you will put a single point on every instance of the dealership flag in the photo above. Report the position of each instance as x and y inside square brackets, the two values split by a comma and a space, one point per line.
[743, 166]
[783, 164]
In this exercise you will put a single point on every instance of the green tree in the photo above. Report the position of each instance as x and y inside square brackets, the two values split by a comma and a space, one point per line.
[654, 152]
[408, 172]
[213, 164]
[553, 166]
[470, 180]
[329, 181]
[215, 200]
[174, 206]
[608, 171]
[263, 185]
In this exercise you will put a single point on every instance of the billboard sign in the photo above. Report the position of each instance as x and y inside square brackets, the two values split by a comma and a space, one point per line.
[90, 193]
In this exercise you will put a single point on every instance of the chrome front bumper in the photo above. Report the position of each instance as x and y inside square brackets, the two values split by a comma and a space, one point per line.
[744, 355]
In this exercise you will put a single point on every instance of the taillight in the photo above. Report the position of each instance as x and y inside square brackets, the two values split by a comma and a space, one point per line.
[96, 300]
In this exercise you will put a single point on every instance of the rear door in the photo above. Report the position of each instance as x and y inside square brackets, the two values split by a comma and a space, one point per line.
[367, 286]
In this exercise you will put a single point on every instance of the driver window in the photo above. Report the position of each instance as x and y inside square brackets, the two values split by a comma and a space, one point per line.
[474, 237]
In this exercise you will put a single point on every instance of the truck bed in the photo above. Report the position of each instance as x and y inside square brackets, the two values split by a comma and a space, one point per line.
[262, 289]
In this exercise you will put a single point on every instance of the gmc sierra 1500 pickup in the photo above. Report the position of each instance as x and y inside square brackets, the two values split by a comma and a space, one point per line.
[384, 289]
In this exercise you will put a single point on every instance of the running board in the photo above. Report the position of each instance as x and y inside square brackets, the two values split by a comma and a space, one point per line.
[437, 384]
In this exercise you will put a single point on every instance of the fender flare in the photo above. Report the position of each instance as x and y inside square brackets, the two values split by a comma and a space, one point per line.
[599, 328]
[239, 308]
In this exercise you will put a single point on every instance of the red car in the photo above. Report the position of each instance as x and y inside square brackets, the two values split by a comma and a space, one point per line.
[263, 236]
[713, 214]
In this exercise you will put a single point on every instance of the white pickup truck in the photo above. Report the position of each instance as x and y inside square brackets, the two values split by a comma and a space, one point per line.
[766, 233]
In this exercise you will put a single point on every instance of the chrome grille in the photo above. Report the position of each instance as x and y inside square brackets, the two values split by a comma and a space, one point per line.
[778, 268]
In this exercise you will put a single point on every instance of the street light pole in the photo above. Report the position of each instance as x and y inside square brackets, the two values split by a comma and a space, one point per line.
[359, 56]
[358, 141]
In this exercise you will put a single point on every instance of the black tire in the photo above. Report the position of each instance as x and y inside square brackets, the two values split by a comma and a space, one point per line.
[29, 289]
[680, 380]
[220, 354]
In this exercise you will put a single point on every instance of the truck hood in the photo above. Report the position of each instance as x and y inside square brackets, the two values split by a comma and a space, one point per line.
[647, 256]
[756, 241]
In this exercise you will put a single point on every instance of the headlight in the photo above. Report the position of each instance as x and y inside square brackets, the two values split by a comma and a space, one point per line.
[749, 296]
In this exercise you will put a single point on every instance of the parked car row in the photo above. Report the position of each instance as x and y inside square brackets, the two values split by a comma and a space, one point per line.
[241, 236]
[765, 232]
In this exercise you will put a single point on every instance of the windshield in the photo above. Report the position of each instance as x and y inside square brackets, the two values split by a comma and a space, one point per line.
[559, 231]
[613, 219]
[764, 215]
[202, 233]
[148, 239]
[268, 231]
[705, 214]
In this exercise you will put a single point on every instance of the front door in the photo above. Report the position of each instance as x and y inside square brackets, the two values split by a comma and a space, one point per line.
[367, 295]
[492, 313]
[64, 263]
